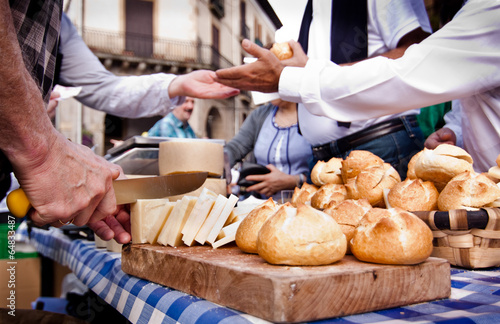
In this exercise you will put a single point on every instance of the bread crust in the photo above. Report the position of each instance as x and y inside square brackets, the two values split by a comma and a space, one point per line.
[301, 236]
[357, 161]
[466, 190]
[391, 236]
[328, 194]
[442, 164]
[414, 195]
[327, 172]
[246, 234]
[303, 194]
[282, 51]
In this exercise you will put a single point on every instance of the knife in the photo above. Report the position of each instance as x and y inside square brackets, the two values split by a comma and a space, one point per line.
[128, 190]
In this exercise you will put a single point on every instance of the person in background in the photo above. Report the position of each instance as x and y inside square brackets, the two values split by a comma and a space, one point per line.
[347, 32]
[64, 181]
[459, 61]
[176, 123]
[270, 134]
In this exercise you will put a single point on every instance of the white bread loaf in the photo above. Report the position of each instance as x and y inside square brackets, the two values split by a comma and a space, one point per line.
[301, 236]
[327, 172]
[347, 214]
[468, 190]
[303, 194]
[328, 194]
[494, 171]
[282, 51]
[391, 236]
[357, 161]
[442, 164]
[414, 195]
[410, 174]
[246, 234]
[371, 182]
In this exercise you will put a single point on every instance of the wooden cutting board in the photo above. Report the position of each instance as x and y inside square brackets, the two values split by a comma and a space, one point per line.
[247, 283]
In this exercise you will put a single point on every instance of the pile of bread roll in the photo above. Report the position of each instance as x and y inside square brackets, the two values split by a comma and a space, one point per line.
[359, 205]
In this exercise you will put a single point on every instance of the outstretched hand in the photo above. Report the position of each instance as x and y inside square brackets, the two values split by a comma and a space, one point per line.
[441, 136]
[200, 84]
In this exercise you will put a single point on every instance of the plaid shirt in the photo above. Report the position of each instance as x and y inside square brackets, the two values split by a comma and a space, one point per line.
[37, 25]
[170, 126]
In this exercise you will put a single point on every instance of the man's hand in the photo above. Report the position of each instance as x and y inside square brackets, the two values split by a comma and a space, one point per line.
[262, 75]
[114, 227]
[441, 136]
[271, 183]
[200, 84]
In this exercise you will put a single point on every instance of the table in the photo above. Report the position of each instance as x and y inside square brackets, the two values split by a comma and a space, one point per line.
[475, 295]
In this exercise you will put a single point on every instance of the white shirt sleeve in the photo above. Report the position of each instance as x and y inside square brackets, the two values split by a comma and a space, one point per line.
[453, 121]
[460, 60]
[124, 96]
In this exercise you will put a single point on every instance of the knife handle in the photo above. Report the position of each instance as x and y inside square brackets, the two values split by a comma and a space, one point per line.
[18, 203]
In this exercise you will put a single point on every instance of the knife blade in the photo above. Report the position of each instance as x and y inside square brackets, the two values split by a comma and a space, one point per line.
[127, 190]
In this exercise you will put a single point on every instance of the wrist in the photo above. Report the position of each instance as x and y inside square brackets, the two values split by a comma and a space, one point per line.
[300, 179]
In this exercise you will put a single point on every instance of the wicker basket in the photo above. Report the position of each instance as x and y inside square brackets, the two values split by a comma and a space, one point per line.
[468, 239]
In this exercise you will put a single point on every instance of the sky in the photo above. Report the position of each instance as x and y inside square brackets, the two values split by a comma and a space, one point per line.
[290, 13]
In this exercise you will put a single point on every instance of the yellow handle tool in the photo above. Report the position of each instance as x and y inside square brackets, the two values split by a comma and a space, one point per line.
[18, 203]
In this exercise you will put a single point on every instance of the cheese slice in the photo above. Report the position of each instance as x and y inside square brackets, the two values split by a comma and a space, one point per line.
[228, 230]
[227, 235]
[221, 220]
[143, 216]
[197, 217]
[171, 232]
[238, 213]
[154, 232]
[217, 185]
[211, 219]
[190, 156]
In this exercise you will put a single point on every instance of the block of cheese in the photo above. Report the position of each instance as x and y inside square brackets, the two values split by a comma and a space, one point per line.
[198, 214]
[205, 229]
[152, 236]
[191, 156]
[113, 246]
[217, 185]
[143, 216]
[221, 220]
[171, 232]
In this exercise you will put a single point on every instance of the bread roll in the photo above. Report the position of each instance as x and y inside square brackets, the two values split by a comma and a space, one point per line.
[357, 161]
[328, 194]
[391, 236]
[347, 214]
[303, 194]
[442, 164]
[410, 174]
[246, 234]
[466, 190]
[327, 172]
[371, 182]
[301, 236]
[414, 195]
[282, 50]
[494, 171]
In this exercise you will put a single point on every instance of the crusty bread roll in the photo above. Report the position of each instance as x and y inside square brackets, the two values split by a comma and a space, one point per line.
[282, 50]
[328, 194]
[442, 164]
[414, 195]
[327, 172]
[246, 234]
[303, 194]
[301, 236]
[410, 174]
[371, 182]
[494, 171]
[347, 214]
[357, 161]
[466, 190]
[391, 236]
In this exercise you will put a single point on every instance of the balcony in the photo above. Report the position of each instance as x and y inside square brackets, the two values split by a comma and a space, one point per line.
[146, 52]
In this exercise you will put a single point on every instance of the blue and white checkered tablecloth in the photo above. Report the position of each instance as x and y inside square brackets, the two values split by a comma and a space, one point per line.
[475, 296]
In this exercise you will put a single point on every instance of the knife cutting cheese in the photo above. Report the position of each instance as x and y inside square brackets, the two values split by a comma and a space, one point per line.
[128, 190]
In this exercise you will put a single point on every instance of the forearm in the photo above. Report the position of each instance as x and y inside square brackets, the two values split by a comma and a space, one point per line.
[26, 129]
